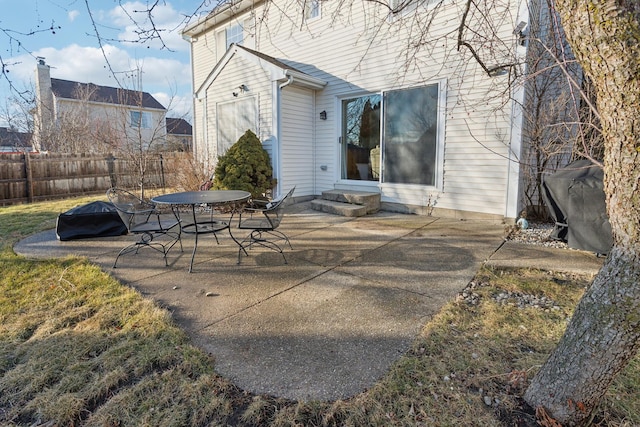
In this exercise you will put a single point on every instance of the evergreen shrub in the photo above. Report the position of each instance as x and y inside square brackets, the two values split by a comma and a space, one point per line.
[245, 166]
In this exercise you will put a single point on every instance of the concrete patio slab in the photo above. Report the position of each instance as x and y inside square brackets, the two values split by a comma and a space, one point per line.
[328, 324]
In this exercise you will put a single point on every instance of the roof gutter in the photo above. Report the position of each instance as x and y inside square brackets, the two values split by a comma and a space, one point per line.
[219, 14]
[301, 79]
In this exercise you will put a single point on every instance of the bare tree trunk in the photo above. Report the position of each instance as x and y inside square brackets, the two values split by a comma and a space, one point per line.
[601, 338]
[604, 333]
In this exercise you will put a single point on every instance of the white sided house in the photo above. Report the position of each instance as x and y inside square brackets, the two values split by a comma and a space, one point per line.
[115, 117]
[367, 96]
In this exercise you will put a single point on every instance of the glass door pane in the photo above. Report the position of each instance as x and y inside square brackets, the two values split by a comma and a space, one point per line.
[411, 135]
[361, 138]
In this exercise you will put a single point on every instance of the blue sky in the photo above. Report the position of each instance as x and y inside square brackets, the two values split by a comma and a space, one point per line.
[61, 31]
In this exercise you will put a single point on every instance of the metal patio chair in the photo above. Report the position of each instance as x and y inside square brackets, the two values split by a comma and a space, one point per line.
[157, 231]
[263, 220]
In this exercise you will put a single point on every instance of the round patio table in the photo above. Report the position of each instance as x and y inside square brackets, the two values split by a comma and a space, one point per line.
[233, 199]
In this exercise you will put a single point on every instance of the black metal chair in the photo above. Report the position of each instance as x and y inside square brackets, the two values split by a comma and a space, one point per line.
[142, 218]
[263, 219]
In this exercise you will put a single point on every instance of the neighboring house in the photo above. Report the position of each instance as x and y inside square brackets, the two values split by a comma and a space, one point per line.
[15, 142]
[179, 135]
[340, 100]
[94, 114]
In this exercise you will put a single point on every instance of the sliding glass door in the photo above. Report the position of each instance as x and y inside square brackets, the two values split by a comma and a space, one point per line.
[398, 130]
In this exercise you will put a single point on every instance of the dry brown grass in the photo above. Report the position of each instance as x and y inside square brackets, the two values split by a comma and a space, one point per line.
[79, 348]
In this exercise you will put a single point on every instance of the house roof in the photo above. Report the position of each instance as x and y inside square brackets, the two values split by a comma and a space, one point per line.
[177, 126]
[10, 138]
[268, 58]
[278, 70]
[110, 95]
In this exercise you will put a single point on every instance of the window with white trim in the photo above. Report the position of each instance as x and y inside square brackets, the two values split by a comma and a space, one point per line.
[401, 7]
[311, 9]
[233, 119]
[234, 34]
[140, 119]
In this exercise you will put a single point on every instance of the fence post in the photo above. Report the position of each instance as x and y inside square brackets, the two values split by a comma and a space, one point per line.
[162, 172]
[112, 170]
[28, 173]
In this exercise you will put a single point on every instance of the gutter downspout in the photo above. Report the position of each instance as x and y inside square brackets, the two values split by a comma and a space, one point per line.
[194, 142]
[516, 131]
[278, 132]
[515, 152]
[205, 133]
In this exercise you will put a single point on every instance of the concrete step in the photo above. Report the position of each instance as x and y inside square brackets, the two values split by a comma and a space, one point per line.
[370, 200]
[338, 208]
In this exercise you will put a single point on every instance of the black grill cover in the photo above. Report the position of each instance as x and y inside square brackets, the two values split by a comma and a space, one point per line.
[96, 219]
[576, 201]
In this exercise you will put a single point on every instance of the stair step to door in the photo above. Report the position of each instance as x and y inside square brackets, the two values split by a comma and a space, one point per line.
[370, 200]
[338, 208]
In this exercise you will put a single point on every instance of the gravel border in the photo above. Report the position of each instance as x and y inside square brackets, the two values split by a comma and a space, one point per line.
[537, 234]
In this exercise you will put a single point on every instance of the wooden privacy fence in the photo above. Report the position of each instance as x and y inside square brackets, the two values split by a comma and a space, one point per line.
[32, 177]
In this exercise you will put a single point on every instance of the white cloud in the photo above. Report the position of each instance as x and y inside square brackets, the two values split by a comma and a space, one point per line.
[133, 17]
[73, 14]
[167, 72]
[178, 106]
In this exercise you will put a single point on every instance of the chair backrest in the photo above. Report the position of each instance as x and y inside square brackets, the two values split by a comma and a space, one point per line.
[275, 209]
[131, 208]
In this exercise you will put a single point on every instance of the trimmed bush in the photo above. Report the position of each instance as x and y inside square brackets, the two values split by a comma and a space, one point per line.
[245, 166]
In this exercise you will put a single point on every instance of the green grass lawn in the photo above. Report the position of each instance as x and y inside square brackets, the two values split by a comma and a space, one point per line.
[79, 348]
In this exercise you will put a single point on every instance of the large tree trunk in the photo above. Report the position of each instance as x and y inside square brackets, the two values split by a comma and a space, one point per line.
[604, 333]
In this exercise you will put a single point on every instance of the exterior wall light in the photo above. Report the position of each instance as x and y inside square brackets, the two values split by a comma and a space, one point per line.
[323, 115]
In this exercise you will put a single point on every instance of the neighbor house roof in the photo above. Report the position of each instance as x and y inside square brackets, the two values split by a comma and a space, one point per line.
[177, 126]
[104, 94]
[19, 140]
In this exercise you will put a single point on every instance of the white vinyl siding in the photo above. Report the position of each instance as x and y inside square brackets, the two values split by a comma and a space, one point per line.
[221, 92]
[297, 147]
[477, 124]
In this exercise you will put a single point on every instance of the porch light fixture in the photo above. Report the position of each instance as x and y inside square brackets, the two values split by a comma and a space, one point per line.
[242, 88]
[520, 32]
[323, 115]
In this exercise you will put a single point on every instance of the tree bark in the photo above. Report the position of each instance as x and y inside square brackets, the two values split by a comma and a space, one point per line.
[604, 333]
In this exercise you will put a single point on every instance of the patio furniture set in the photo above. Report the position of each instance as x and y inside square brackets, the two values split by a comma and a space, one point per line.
[200, 212]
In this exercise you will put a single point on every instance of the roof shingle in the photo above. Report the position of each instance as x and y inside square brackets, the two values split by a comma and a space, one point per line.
[110, 95]
[177, 126]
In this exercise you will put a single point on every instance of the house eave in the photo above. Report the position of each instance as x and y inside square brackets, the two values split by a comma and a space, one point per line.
[217, 16]
[277, 72]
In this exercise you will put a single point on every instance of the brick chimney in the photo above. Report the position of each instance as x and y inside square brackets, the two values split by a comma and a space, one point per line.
[44, 119]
